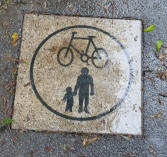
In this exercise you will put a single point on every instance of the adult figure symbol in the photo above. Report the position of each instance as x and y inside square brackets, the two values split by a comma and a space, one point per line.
[84, 82]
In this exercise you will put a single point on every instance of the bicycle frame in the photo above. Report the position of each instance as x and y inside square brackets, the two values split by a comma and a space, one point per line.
[84, 57]
[90, 40]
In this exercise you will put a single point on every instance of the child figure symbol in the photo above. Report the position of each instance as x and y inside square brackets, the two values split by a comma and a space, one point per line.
[68, 97]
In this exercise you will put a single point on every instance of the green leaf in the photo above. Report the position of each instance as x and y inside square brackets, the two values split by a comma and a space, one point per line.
[65, 147]
[7, 2]
[159, 44]
[20, 2]
[150, 28]
[6, 121]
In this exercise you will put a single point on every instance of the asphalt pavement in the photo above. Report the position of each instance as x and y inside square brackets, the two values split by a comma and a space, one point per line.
[43, 144]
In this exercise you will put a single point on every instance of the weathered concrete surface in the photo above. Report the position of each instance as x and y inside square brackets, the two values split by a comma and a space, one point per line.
[151, 12]
[114, 78]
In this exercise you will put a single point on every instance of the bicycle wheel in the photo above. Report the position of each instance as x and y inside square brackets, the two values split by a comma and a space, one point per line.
[99, 58]
[65, 58]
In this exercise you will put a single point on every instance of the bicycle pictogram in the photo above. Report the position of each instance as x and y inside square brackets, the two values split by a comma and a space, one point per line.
[99, 56]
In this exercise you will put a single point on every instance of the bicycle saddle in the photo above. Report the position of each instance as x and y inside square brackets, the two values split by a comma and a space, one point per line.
[74, 32]
[91, 36]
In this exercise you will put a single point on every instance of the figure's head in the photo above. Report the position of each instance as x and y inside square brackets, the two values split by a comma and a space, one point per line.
[84, 71]
[68, 89]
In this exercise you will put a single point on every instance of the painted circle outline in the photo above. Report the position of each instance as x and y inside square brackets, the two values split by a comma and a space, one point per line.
[80, 118]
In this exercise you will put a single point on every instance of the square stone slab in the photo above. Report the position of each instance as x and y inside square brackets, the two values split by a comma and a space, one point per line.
[79, 74]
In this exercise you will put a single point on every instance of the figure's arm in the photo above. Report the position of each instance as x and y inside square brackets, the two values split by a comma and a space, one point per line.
[92, 86]
[65, 97]
[76, 86]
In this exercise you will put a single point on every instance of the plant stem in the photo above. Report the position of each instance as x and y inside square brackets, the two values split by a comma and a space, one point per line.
[6, 110]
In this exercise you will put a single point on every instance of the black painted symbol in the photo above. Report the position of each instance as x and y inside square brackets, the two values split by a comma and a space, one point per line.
[114, 106]
[99, 56]
[68, 97]
[84, 81]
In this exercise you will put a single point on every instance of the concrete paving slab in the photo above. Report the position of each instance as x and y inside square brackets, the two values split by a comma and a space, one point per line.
[79, 75]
